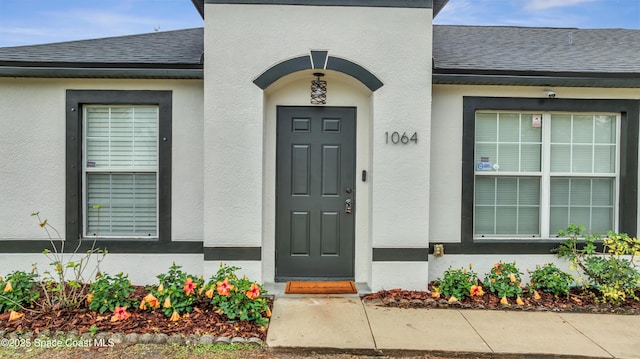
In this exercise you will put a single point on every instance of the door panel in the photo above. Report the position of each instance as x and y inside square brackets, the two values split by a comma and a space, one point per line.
[315, 236]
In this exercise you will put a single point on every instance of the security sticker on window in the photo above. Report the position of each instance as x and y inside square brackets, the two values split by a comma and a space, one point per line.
[536, 120]
[484, 164]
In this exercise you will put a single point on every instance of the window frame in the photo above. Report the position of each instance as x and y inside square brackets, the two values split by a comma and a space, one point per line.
[545, 174]
[75, 102]
[628, 179]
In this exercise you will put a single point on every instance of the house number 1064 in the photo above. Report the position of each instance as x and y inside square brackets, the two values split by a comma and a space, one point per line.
[396, 138]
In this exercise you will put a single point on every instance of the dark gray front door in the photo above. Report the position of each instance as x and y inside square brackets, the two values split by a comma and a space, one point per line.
[315, 194]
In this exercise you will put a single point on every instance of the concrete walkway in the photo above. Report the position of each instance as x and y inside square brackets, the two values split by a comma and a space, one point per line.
[345, 325]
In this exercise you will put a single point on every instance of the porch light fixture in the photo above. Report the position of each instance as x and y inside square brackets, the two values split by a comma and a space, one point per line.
[318, 90]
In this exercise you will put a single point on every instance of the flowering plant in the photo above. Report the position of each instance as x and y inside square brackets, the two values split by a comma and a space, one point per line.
[176, 293]
[550, 279]
[17, 290]
[109, 293]
[504, 280]
[458, 283]
[237, 298]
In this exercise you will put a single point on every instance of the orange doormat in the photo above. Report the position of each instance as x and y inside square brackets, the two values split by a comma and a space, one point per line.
[343, 287]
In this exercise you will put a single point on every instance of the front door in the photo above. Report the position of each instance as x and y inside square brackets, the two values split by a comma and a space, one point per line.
[315, 193]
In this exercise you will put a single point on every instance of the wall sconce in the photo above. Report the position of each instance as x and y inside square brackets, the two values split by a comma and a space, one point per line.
[318, 90]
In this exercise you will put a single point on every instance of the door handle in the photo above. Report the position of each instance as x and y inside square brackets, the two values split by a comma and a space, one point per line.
[347, 206]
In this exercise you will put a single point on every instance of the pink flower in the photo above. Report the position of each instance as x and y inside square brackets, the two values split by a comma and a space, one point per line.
[224, 287]
[253, 292]
[189, 286]
[120, 313]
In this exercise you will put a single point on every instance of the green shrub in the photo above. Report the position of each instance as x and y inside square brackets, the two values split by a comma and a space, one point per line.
[18, 290]
[612, 272]
[456, 283]
[177, 292]
[550, 279]
[107, 293]
[238, 298]
[504, 280]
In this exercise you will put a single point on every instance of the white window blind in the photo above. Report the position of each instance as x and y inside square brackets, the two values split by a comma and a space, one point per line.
[120, 171]
[536, 173]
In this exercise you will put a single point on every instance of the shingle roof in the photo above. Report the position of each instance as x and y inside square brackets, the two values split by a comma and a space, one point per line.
[528, 49]
[173, 48]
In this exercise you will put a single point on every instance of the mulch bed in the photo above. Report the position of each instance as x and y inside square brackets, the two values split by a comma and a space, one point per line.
[203, 320]
[578, 300]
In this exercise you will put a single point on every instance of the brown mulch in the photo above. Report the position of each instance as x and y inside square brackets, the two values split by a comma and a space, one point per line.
[578, 300]
[202, 320]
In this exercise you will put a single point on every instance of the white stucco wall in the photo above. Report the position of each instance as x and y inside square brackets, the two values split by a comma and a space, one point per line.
[241, 42]
[446, 175]
[32, 164]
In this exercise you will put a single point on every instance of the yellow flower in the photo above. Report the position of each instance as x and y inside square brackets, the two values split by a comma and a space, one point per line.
[14, 315]
[90, 297]
[143, 305]
[436, 293]
[8, 288]
[453, 299]
[160, 288]
[504, 301]
[536, 295]
[512, 278]
[167, 303]
[519, 301]
[152, 300]
[209, 293]
[175, 317]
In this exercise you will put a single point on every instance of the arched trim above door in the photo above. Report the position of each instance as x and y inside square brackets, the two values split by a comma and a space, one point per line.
[320, 60]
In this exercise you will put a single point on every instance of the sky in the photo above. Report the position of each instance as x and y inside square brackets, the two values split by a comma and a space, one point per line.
[30, 22]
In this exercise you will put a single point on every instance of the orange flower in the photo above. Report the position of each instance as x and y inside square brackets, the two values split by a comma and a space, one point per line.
[14, 315]
[536, 295]
[167, 303]
[512, 278]
[43, 223]
[152, 301]
[209, 293]
[89, 297]
[497, 265]
[175, 317]
[519, 301]
[435, 294]
[253, 292]
[453, 299]
[504, 301]
[224, 287]
[268, 312]
[8, 288]
[476, 290]
[120, 313]
[160, 288]
[143, 305]
[189, 286]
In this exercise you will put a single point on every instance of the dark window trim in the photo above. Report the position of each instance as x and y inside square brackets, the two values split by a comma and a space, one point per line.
[630, 116]
[75, 99]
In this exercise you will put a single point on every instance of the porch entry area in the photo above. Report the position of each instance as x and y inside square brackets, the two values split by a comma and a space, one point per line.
[315, 193]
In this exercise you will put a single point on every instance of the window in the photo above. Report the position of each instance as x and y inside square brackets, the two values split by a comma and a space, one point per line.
[119, 157]
[538, 172]
[120, 171]
[580, 164]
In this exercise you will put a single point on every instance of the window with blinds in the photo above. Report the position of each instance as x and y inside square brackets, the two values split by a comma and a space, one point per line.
[536, 173]
[121, 171]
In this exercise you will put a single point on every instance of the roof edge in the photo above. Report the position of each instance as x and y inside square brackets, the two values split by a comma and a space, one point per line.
[84, 72]
[365, 3]
[558, 80]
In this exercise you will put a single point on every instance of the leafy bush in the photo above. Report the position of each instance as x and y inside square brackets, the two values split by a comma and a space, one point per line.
[238, 298]
[504, 280]
[613, 272]
[17, 291]
[176, 293]
[108, 292]
[550, 279]
[456, 283]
